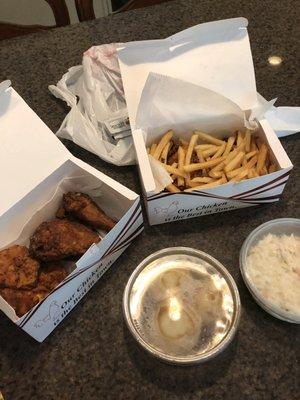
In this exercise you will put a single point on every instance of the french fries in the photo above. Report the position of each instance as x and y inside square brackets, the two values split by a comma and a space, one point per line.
[172, 188]
[235, 161]
[163, 141]
[261, 158]
[206, 162]
[229, 145]
[175, 171]
[164, 154]
[220, 151]
[153, 148]
[251, 154]
[215, 174]
[201, 179]
[247, 140]
[209, 138]
[206, 186]
[201, 159]
[190, 149]
[211, 151]
[204, 165]
[239, 139]
[203, 146]
[181, 159]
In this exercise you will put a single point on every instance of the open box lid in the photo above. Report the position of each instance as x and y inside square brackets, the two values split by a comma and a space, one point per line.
[29, 151]
[215, 55]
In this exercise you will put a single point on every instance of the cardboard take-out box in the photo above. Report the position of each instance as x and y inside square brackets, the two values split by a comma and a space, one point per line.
[209, 61]
[36, 169]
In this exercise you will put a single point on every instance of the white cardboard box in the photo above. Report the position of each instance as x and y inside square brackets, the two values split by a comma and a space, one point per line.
[35, 170]
[214, 56]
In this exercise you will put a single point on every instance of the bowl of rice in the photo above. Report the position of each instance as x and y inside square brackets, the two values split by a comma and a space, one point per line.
[270, 267]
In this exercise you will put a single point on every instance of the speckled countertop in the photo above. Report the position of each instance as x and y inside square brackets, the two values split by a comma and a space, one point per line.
[91, 355]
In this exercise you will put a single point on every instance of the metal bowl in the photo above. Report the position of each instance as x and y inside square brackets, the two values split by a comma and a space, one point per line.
[182, 306]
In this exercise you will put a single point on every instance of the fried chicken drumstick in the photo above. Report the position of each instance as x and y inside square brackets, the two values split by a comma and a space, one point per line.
[83, 208]
[59, 239]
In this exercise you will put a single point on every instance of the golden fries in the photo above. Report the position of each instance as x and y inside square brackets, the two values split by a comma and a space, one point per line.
[247, 140]
[239, 139]
[220, 151]
[251, 154]
[212, 162]
[230, 156]
[163, 141]
[190, 149]
[209, 138]
[261, 158]
[204, 165]
[203, 146]
[174, 170]
[164, 154]
[172, 188]
[218, 167]
[235, 161]
[240, 176]
[201, 159]
[201, 179]
[229, 145]
[209, 152]
[181, 159]
[153, 148]
[207, 185]
[253, 146]
[215, 174]
[250, 164]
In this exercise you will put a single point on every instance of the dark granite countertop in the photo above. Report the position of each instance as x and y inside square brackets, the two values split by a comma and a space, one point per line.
[91, 355]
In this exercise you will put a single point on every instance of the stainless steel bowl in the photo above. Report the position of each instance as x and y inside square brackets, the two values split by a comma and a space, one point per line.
[182, 306]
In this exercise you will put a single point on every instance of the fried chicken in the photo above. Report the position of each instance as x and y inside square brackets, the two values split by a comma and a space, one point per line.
[17, 268]
[51, 274]
[83, 208]
[22, 300]
[59, 239]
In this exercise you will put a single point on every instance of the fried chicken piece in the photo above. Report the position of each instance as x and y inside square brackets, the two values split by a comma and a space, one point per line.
[22, 300]
[51, 274]
[61, 212]
[17, 268]
[59, 239]
[82, 207]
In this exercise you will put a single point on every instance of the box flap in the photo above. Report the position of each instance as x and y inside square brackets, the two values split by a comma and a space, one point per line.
[29, 151]
[215, 55]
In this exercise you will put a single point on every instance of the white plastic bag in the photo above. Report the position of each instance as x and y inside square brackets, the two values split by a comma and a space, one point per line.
[98, 119]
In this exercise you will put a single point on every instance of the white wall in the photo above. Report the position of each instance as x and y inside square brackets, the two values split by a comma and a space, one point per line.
[31, 12]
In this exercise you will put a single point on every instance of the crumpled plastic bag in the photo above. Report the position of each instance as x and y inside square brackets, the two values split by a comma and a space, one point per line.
[98, 119]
